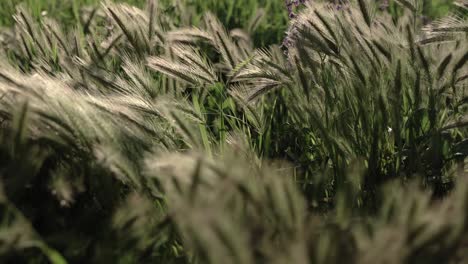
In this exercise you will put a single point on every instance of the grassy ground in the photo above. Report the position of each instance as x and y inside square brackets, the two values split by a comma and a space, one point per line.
[65, 11]
[232, 13]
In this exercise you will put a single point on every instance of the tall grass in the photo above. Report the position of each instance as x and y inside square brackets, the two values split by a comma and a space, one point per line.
[164, 133]
[361, 86]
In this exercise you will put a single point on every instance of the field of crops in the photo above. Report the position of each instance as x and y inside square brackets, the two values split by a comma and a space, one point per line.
[234, 131]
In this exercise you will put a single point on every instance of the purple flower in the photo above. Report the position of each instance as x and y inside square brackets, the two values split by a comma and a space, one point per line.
[293, 3]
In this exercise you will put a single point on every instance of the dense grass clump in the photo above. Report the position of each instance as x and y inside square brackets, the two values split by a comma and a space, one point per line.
[206, 132]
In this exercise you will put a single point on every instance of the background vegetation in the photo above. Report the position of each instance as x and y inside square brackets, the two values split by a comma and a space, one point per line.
[226, 132]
